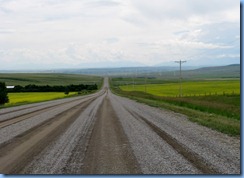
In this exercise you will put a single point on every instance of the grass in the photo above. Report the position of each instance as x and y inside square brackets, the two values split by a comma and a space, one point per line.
[216, 122]
[218, 112]
[226, 105]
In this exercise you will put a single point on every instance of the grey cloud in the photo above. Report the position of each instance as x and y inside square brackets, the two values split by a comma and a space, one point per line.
[102, 3]
[135, 21]
[183, 9]
[4, 10]
[101, 30]
[149, 45]
[224, 33]
[181, 32]
[2, 30]
[112, 40]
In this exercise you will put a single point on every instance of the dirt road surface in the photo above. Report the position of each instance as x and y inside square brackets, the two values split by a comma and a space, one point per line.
[106, 134]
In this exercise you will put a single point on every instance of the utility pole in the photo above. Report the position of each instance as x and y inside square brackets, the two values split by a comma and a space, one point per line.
[180, 90]
[133, 75]
[145, 82]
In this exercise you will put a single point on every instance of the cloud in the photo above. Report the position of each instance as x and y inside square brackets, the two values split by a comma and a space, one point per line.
[102, 3]
[2, 30]
[185, 9]
[72, 32]
[111, 40]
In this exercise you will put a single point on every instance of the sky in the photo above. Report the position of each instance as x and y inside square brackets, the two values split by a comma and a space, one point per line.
[50, 34]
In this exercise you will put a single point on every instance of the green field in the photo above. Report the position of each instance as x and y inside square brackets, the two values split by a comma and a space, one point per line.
[48, 79]
[189, 88]
[33, 97]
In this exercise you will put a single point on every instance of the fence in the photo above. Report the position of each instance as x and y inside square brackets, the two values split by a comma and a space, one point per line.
[233, 93]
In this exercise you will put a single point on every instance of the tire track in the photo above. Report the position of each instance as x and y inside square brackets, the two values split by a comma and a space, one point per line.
[5, 123]
[5, 116]
[16, 154]
[11, 131]
[189, 155]
[66, 153]
[25, 108]
[109, 150]
[219, 152]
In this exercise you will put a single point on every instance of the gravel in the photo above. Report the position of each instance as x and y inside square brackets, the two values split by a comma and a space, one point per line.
[155, 156]
[11, 131]
[9, 113]
[54, 158]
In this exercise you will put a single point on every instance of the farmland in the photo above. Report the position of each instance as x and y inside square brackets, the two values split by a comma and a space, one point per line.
[40, 79]
[33, 97]
[211, 87]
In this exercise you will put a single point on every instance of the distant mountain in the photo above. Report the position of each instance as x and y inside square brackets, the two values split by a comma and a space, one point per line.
[166, 72]
[229, 71]
[111, 64]
[221, 68]
[116, 71]
[204, 62]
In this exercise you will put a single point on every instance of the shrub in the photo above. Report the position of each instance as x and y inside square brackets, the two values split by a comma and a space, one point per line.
[3, 94]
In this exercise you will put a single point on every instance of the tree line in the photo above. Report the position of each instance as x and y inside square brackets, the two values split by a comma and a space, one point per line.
[47, 88]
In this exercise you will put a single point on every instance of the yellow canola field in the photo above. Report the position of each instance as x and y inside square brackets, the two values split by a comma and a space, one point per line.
[32, 97]
[189, 88]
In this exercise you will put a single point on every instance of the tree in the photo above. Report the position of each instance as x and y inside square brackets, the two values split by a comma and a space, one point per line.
[3, 94]
[66, 91]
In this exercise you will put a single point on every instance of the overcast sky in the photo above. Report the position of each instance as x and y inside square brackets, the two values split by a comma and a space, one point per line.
[44, 34]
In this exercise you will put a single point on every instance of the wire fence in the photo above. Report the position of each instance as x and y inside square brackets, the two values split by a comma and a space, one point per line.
[233, 93]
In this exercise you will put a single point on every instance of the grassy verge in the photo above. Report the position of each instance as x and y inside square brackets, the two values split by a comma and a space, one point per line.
[200, 110]
[227, 105]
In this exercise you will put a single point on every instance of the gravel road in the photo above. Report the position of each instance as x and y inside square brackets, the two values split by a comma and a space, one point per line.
[106, 134]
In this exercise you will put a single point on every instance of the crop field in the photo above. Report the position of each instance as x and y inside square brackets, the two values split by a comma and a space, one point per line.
[33, 97]
[189, 88]
[42, 79]
[48, 79]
